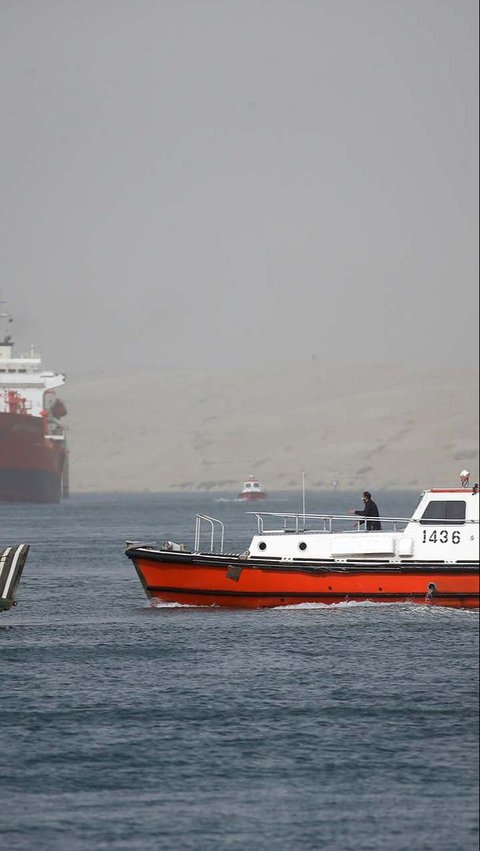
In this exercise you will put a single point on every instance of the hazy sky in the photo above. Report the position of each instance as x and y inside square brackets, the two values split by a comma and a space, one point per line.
[188, 182]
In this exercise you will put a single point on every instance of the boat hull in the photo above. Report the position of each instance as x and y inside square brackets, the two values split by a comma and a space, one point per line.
[205, 580]
[31, 465]
[12, 561]
[252, 497]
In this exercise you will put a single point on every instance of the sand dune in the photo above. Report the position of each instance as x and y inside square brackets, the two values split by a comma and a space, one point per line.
[165, 430]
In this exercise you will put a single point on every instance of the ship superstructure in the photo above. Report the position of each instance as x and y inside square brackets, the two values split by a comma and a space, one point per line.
[33, 449]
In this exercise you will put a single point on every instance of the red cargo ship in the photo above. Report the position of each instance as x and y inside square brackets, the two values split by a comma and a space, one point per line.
[33, 450]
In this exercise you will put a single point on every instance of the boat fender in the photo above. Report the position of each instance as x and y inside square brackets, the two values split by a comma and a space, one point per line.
[431, 590]
[234, 571]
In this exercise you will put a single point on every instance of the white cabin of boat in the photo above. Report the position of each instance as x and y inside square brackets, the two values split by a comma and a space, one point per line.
[443, 528]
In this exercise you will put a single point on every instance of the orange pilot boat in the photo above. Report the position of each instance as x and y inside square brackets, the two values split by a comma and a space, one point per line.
[430, 558]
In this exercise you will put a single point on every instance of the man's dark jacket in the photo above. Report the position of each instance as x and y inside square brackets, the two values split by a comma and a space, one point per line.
[371, 510]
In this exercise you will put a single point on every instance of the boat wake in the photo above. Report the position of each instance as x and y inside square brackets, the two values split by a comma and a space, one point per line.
[412, 607]
[344, 604]
[271, 500]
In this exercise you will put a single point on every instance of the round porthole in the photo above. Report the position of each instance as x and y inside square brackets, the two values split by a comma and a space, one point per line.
[302, 545]
[262, 545]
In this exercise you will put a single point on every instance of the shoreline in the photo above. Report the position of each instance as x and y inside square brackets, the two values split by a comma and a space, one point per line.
[161, 431]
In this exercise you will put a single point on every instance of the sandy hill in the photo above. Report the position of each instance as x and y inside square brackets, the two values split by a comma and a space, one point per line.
[185, 430]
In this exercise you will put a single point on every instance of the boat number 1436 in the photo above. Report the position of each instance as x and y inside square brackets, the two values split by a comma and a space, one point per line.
[442, 537]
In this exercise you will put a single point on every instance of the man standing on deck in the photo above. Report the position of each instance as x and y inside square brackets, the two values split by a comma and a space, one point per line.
[370, 510]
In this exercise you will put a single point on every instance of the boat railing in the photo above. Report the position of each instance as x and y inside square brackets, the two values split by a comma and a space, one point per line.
[216, 526]
[325, 522]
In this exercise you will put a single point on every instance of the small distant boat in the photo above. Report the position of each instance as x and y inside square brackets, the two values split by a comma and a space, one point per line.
[252, 489]
[430, 558]
[12, 561]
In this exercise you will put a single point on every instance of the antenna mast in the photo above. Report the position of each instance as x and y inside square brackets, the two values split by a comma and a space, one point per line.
[303, 498]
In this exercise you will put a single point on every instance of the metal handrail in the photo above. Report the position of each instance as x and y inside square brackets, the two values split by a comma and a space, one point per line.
[327, 520]
[299, 524]
[212, 521]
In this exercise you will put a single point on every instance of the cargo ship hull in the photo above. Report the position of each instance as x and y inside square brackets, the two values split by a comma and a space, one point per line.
[31, 463]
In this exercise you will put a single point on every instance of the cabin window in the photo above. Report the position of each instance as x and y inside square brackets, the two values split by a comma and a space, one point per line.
[262, 545]
[447, 512]
[302, 545]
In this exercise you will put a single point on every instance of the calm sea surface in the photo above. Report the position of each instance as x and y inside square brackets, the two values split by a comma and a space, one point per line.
[313, 727]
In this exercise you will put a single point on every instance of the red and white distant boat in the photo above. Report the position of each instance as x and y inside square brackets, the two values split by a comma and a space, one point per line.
[252, 489]
[429, 558]
[33, 451]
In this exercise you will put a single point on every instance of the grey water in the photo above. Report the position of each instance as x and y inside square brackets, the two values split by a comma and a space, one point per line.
[124, 726]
